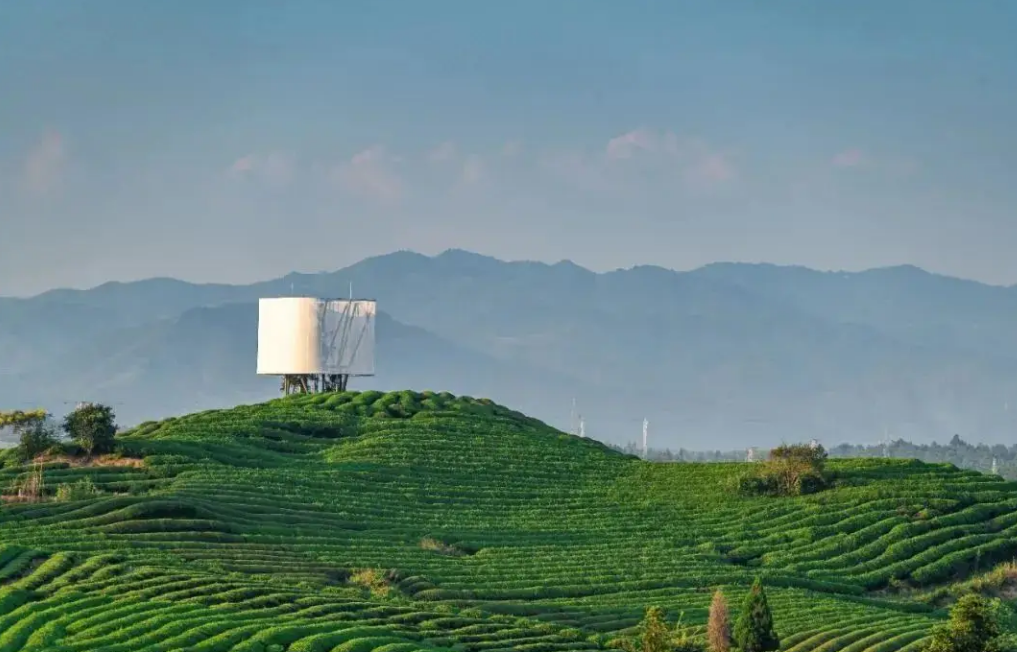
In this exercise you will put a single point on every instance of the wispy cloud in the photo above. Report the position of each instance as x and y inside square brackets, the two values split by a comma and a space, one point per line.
[628, 144]
[473, 170]
[849, 158]
[856, 158]
[642, 154]
[511, 149]
[711, 169]
[274, 169]
[443, 153]
[45, 163]
[370, 174]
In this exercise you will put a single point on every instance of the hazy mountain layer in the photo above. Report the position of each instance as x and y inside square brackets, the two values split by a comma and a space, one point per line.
[725, 356]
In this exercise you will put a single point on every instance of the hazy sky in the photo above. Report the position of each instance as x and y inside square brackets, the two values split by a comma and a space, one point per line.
[239, 140]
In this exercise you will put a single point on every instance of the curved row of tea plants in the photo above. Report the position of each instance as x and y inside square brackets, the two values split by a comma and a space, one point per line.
[454, 522]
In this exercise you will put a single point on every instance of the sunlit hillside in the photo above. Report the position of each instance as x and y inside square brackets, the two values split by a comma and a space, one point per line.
[400, 521]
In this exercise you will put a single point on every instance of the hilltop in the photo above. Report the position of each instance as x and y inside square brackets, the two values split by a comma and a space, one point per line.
[729, 355]
[420, 520]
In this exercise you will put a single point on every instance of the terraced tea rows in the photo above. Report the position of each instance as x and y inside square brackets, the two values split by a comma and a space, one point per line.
[474, 527]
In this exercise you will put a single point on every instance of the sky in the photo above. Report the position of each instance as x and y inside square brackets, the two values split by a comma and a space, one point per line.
[243, 139]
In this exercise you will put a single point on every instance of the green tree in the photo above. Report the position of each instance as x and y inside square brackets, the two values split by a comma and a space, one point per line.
[93, 427]
[656, 635]
[753, 632]
[35, 437]
[973, 627]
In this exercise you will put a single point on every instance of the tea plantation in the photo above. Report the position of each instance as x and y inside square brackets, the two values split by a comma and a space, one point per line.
[395, 522]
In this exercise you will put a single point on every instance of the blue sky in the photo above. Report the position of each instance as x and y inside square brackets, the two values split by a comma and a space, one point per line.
[234, 141]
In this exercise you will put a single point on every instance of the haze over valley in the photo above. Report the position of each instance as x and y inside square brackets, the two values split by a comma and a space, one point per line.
[722, 357]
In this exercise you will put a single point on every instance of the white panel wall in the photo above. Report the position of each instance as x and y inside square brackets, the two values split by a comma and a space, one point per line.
[288, 336]
[348, 337]
[316, 336]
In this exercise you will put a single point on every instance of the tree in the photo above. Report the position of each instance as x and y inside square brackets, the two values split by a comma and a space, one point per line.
[798, 469]
[92, 427]
[753, 632]
[656, 635]
[36, 437]
[33, 428]
[719, 625]
[973, 627]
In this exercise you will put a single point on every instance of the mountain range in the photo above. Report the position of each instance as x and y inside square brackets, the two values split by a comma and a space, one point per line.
[725, 356]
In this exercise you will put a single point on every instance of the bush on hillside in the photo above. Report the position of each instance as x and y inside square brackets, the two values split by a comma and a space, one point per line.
[791, 470]
[656, 636]
[973, 627]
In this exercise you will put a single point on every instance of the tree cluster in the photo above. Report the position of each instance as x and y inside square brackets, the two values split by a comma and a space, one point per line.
[791, 470]
[752, 632]
[91, 427]
[978, 457]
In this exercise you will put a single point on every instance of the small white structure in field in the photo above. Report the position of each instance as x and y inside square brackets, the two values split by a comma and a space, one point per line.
[750, 455]
[315, 345]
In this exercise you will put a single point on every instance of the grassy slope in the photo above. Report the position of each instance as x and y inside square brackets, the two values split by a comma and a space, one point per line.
[241, 531]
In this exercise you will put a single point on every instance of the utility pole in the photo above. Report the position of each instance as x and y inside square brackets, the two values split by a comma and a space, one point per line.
[646, 427]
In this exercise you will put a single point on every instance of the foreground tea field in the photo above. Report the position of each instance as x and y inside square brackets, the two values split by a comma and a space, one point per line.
[403, 521]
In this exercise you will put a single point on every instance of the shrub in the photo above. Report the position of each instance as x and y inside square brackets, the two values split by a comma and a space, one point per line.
[655, 636]
[80, 490]
[973, 627]
[791, 470]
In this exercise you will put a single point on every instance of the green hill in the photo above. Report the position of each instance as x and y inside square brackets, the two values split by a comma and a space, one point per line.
[401, 521]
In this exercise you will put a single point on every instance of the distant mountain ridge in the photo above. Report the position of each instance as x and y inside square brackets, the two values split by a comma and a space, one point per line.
[743, 354]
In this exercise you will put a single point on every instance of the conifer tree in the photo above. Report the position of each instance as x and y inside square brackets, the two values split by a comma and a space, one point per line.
[753, 632]
[719, 625]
